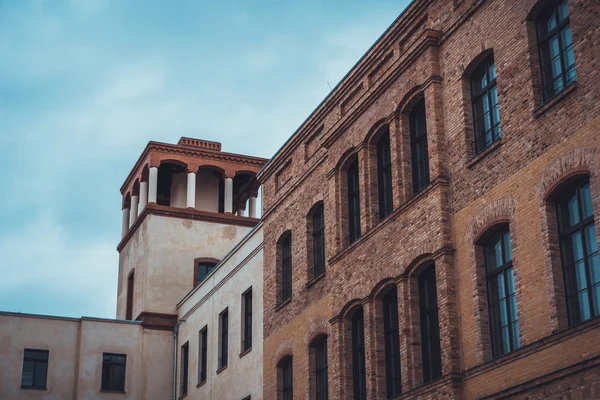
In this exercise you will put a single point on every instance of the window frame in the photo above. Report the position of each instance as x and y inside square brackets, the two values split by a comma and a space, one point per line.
[565, 234]
[321, 370]
[353, 201]
[202, 355]
[35, 362]
[419, 152]
[318, 240]
[384, 175]
[391, 333]
[552, 8]
[223, 340]
[491, 276]
[206, 261]
[247, 320]
[185, 369]
[478, 98]
[285, 250]
[286, 365]
[428, 311]
[108, 365]
[359, 372]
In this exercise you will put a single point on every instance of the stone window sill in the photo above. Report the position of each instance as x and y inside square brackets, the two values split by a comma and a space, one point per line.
[488, 150]
[315, 280]
[113, 391]
[223, 368]
[201, 384]
[243, 353]
[281, 305]
[34, 388]
[183, 396]
[555, 100]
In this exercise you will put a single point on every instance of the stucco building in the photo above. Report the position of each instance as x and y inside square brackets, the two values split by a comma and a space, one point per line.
[429, 230]
[189, 318]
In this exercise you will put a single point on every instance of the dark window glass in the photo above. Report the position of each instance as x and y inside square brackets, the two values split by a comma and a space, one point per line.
[113, 372]
[286, 268]
[353, 202]
[318, 240]
[484, 95]
[247, 341]
[392, 344]
[203, 269]
[579, 250]
[557, 59]
[203, 356]
[35, 369]
[185, 353]
[504, 326]
[129, 306]
[224, 338]
[359, 376]
[288, 379]
[430, 330]
[418, 147]
[320, 348]
[384, 175]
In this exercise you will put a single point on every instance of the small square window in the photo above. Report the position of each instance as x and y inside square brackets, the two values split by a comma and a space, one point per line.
[113, 372]
[35, 369]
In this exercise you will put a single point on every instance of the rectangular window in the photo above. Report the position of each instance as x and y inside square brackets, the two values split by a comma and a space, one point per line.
[320, 349]
[223, 338]
[555, 42]
[318, 239]
[418, 146]
[353, 202]
[502, 298]
[35, 369]
[384, 175]
[129, 307]
[430, 328]
[203, 355]
[185, 354]
[203, 268]
[287, 378]
[484, 96]
[247, 320]
[113, 372]
[392, 344]
[286, 268]
[358, 356]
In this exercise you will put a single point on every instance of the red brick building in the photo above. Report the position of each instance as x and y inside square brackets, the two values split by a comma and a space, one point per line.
[430, 228]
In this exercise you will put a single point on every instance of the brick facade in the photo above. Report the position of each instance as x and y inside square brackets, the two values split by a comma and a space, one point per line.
[428, 54]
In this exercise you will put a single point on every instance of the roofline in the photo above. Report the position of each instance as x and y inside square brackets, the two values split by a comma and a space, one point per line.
[388, 29]
[72, 319]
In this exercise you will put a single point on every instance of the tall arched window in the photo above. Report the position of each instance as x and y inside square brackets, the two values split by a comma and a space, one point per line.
[318, 240]
[384, 175]
[286, 378]
[285, 251]
[418, 146]
[502, 300]
[430, 329]
[579, 250]
[318, 362]
[392, 344]
[555, 43]
[484, 96]
[359, 377]
[353, 202]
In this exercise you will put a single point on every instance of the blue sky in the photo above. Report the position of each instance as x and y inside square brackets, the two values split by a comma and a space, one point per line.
[85, 84]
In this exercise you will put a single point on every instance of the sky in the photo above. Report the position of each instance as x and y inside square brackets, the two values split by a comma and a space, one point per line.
[85, 84]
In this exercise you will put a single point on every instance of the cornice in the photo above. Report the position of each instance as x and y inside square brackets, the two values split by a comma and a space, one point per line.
[185, 213]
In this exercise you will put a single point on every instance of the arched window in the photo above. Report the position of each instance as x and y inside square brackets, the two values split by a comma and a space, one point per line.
[579, 251]
[286, 379]
[418, 146]
[502, 300]
[359, 376]
[484, 96]
[318, 354]
[384, 175]
[317, 237]
[285, 251]
[555, 43]
[203, 267]
[392, 344]
[430, 329]
[353, 202]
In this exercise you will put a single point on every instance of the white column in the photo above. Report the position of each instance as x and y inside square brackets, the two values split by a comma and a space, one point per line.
[134, 210]
[125, 223]
[143, 195]
[228, 195]
[152, 184]
[240, 213]
[252, 207]
[191, 190]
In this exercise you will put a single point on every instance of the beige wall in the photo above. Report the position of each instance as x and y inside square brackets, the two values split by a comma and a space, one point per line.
[207, 191]
[223, 289]
[75, 357]
[162, 251]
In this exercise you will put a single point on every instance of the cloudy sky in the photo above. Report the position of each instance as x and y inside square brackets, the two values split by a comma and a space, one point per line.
[85, 84]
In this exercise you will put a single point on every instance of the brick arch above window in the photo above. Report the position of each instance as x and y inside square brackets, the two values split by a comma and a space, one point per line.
[382, 287]
[285, 349]
[501, 211]
[376, 130]
[317, 328]
[346, 158]
[581, 160]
